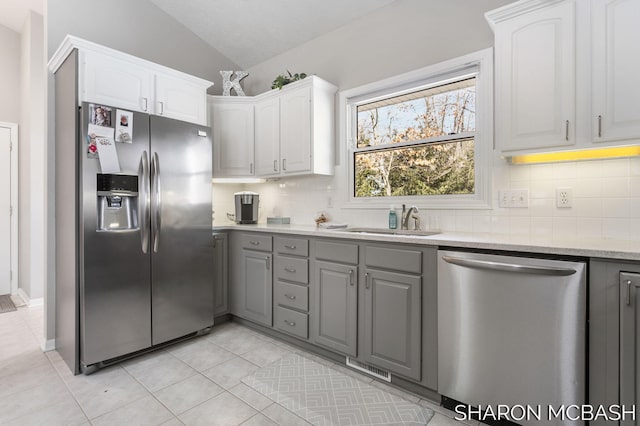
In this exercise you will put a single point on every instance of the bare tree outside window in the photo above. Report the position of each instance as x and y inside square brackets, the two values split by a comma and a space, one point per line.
[420, 143]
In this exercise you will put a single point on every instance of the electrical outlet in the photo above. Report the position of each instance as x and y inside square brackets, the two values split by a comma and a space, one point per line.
[564, 198]
[513, 198]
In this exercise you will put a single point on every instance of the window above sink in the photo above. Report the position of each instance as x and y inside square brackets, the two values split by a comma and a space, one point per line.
[423, 138]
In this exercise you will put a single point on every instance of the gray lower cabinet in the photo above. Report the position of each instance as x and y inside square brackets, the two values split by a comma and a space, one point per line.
[391, 330]
[614, 336]
[629, 341]
[257, 303]
[220, 275]
[335, 307]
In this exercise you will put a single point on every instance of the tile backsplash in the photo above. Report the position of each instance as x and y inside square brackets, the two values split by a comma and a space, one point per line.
[606, 202]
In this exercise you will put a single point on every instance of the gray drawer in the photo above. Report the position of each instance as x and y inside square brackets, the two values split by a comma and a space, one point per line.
[291, 295]
[292, 269]
[337, 252]
[398, 259]
[291, 322]
[295, 246]
[256, 242]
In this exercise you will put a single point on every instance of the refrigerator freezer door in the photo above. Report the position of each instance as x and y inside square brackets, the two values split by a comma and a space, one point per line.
[115, 306]
[181, 237]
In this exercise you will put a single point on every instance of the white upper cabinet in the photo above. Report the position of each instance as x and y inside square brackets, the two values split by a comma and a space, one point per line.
[113, 78]
[615, 69]
[535, 76]
[115, 82]
[233, 136]
[293, 132]
[566, 74]
[267, 131]
[180, 98]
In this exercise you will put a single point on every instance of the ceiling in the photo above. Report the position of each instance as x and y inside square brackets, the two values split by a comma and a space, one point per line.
[14, 12]
[249, 32]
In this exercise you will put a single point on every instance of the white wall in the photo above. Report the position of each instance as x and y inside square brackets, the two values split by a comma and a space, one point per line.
[32, 260]
[139, 28]
[400, 37]
[411, 34]
[9, 75]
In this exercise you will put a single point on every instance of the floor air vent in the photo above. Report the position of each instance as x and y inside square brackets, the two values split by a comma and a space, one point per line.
[369, 369]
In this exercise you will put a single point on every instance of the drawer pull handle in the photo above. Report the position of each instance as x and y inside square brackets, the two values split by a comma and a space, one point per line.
[292, 270]
[290, 247]
[255, 243]
[628, 292]
[288, 296]
[290, 323]
[351, 277]
[267, 261]
[366, 281]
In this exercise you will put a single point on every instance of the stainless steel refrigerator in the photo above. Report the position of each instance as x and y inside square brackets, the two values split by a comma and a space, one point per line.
[140, 239]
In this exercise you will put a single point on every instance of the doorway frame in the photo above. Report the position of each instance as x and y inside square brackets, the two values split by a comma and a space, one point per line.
[13, 188]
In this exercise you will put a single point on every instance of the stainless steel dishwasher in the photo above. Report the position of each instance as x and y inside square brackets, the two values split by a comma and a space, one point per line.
[511, 332]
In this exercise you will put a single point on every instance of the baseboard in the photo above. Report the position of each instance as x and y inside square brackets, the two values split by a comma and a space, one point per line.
[49, 345]
[28, 300]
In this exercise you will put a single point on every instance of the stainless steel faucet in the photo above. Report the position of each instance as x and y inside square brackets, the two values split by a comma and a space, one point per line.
[412, 213]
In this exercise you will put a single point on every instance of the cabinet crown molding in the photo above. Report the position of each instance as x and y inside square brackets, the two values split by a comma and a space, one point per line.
[71, 42]
[512, 10]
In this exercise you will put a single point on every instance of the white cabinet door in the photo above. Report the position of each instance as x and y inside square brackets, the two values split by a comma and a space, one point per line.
[295, 130]
[615, 69]
[535, 79]
[112, 81]
[267, 122]
[233, 138]
[180, 99]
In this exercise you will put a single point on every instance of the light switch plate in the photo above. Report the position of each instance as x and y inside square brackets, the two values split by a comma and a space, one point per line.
[513, 198]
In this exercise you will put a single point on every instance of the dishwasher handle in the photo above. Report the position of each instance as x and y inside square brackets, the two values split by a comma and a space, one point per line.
[509, 267]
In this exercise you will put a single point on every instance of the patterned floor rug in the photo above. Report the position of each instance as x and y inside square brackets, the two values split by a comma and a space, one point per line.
[6, 305]
[325, 396]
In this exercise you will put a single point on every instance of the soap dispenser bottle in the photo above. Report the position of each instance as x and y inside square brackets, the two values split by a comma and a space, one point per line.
[393, 218]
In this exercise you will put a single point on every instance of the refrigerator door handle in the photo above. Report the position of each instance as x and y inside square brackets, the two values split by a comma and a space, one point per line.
[157, 210]
[143, 204]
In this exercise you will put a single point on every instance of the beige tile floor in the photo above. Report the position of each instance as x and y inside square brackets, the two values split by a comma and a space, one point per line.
[192, 383]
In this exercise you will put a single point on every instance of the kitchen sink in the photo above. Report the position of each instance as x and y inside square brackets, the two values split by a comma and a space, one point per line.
[386, 231]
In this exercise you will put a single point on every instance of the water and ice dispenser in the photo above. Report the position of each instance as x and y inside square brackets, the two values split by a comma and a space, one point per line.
[118, 202]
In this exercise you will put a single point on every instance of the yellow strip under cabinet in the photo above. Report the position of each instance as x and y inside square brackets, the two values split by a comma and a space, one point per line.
[586, 154]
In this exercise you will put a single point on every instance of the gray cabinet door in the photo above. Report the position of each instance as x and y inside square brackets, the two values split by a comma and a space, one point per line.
[257, 301]
[220, 275]
[392, 321]
[629, 342]
[334, 306]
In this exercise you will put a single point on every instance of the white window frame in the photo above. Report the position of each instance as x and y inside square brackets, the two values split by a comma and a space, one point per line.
[478, 64]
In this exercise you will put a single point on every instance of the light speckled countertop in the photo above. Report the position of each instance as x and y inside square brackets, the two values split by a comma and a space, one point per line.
[600, 248]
